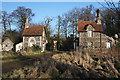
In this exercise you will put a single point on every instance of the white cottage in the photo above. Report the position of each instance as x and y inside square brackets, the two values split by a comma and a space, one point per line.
[34, 35]
[7, 45]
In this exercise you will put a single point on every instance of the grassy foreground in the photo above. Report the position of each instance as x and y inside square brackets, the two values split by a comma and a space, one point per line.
[22, 57]
[72, 65]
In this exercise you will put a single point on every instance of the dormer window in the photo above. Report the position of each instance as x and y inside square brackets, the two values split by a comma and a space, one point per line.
[90, 33]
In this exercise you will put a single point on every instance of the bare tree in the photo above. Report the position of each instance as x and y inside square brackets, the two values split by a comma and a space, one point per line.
[10, 21]
[111, 8]
[47, 27]
[88, 13]
[79, 14]
[109, 22]
[20, 15]
[4, 22]
[58, 30]
[73, 17]
[65, 25]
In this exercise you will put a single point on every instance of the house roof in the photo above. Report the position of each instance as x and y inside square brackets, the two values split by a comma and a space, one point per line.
[83, 24]
[33, 31]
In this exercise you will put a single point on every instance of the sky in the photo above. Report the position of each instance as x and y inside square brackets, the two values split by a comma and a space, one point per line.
[56, 0]
[46, 9]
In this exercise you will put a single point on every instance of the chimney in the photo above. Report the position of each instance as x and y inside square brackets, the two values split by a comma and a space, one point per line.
[98, 17]
[26, 24]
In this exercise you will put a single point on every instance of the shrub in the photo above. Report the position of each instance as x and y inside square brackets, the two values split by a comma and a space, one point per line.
[9, 53]
[68, 52]
[118, 44]
[13, 53]
[36, 48]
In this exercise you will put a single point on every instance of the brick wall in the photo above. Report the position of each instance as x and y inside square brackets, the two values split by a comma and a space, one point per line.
[97, 39]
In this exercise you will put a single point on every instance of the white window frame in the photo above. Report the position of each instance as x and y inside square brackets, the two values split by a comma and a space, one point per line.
[90, 33]
[108, 45]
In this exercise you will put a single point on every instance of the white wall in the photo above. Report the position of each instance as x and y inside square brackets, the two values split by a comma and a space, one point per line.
[7, 45]
[19, 46]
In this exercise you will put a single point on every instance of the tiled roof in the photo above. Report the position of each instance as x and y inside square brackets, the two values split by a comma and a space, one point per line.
[33, 31]
[83, 24]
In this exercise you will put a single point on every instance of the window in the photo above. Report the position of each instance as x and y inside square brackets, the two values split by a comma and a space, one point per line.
[6, 45]
[108, 45]
[90, 44]
[90, 33]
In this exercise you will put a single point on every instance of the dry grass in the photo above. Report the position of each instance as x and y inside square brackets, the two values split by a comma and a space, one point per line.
[75, 65]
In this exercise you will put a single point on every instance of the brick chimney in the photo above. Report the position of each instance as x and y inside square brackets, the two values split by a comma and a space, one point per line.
[98, 17]
[26, 24]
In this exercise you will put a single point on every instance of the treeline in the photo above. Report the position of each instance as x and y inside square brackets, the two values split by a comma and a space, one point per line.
[66, 26]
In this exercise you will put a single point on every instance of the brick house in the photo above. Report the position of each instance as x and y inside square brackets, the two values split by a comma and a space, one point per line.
[34, 35]
[91, 34]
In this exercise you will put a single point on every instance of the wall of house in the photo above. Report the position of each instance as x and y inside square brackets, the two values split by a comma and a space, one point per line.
[19, 46]
[7, 45]
[26, 41]
[43, 38]
[98, 39]
[44, 35]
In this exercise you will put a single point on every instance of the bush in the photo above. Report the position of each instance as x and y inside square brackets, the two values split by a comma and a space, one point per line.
[118, 44]
[36, 48]
[68, 52]
[9, 53]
